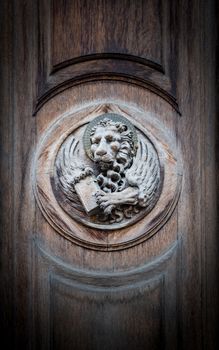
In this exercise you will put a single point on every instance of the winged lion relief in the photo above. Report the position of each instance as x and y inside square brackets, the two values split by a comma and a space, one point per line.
[107, 173]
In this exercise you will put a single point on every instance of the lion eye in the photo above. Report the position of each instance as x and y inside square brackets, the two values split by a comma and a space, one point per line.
[96, 140]
[109, 138]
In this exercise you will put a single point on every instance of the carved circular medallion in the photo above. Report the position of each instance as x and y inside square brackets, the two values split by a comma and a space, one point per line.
[118, 184]
[105, 173]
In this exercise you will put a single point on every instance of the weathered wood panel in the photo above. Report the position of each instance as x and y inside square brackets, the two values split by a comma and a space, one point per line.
[153, 52]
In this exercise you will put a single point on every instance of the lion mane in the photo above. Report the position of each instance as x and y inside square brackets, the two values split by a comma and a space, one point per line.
[112, 178]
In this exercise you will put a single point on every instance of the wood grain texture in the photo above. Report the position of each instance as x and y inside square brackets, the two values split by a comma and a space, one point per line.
[103, 304]
[6, 176]
[24, 71]
[37, 293]
[140, 35]
[120, 52]
[197, 57]
[139, 39]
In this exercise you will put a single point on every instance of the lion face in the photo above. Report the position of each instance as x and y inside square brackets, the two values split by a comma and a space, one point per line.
[105, 144]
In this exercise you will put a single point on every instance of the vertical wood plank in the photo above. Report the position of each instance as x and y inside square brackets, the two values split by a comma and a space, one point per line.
[210, 238]
[196, 209]
[24, 67]
[6, 174]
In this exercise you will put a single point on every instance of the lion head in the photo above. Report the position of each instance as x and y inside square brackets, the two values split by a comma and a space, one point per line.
[112, 149]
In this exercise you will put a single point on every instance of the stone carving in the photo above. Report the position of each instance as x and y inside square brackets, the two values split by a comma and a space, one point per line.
[122, 175]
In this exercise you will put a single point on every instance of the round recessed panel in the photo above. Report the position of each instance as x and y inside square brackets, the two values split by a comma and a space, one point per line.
[104, 180]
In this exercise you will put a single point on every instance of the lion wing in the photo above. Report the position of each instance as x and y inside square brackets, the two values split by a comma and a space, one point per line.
[71, 170]
[145, 173]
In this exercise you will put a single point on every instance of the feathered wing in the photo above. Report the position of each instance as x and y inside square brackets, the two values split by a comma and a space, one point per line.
[145, 173]
[70, 169]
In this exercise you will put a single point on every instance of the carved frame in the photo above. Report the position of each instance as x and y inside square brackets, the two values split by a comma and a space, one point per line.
[102, 239]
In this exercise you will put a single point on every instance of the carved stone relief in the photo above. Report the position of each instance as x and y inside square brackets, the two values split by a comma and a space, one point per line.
[107, 173]
[105, 180]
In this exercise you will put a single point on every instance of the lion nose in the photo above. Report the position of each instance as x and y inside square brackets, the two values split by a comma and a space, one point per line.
[101, 149]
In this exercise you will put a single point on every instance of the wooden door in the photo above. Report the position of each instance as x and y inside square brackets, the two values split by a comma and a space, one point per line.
[146, 277]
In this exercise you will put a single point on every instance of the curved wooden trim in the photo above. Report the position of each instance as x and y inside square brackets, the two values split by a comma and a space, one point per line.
[105, 278]
[105, 56]
[104, 76]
